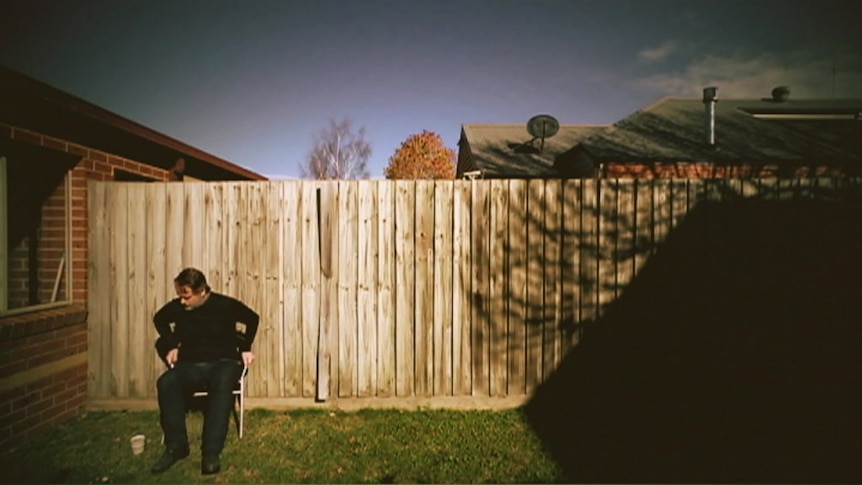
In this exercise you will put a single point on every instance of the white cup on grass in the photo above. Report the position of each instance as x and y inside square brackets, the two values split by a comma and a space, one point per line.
[138, 441]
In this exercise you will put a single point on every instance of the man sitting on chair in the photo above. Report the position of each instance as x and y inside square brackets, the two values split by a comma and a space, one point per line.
[203, 349]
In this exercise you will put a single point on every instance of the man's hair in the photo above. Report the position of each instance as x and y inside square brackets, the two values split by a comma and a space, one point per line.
[192, 277]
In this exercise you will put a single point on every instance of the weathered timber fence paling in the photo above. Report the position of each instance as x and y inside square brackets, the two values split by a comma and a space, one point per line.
[383, 288]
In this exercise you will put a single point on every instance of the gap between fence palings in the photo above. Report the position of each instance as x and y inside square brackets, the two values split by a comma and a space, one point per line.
[328, 271]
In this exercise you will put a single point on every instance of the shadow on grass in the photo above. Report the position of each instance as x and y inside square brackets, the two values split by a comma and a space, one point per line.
[298, 446]
[733, 357]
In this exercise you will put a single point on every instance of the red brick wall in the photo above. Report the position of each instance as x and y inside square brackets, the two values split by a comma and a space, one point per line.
[43, 354]
[18, 271]
[43, 371]
[94, 165]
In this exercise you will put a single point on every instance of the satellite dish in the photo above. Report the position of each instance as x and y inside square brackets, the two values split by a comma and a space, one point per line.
[543, 126]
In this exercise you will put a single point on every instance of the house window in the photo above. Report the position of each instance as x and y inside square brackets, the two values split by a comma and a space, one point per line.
[35, 215]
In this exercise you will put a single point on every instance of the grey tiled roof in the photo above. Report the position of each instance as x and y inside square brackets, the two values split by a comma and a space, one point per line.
[674, 129]
[503, 150]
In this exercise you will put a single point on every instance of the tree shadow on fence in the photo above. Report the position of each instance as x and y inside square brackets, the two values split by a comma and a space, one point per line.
[733, 356]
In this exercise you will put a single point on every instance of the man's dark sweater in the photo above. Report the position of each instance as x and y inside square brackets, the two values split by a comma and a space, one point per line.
[208, 332]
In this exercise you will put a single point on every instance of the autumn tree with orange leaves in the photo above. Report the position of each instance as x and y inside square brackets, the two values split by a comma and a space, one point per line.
[422, 156]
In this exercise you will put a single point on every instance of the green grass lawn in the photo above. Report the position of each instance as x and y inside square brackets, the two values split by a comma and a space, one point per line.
[299, 446]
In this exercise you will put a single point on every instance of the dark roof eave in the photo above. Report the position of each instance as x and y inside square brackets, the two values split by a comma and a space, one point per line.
[65, 101]
[153, 136]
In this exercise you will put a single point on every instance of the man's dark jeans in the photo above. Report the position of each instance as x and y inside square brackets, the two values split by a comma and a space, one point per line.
[175, 387]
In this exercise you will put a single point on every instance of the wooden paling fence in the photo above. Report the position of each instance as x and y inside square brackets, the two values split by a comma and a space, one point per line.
[383, 288]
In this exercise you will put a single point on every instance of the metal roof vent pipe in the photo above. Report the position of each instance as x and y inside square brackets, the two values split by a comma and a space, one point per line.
[710, 97]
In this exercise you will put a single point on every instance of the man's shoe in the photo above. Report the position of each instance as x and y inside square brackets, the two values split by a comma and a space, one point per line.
[169, 457]
[210, 464]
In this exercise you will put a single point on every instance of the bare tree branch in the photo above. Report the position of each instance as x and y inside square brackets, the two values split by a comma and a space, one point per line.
[338, 153]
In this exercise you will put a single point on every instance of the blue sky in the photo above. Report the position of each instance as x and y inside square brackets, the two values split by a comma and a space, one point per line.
[253, 81]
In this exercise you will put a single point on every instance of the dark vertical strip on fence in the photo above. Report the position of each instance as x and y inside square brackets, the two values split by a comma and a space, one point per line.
[327, 228]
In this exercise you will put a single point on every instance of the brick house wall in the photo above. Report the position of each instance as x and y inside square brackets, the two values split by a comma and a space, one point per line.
[94, 165]
[43, 354]
[43, 371]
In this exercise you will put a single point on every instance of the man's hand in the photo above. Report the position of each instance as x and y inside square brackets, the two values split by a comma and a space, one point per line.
[247, 358]
[172, 356]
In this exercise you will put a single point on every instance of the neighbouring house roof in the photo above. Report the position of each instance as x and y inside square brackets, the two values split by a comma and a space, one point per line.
[31, 104]
[505, 151]
[746, 131]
